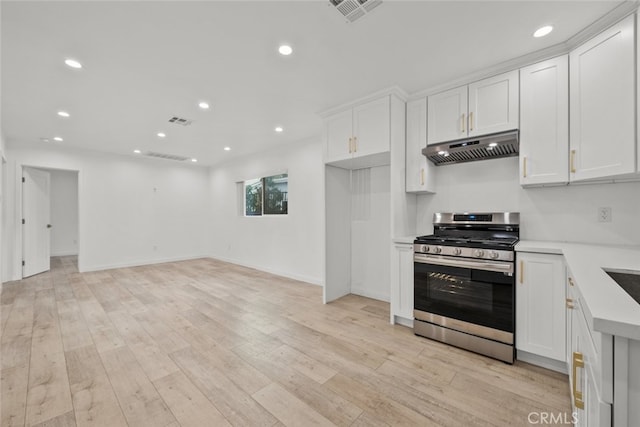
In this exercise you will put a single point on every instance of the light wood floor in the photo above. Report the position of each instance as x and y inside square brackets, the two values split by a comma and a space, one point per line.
[205, 343]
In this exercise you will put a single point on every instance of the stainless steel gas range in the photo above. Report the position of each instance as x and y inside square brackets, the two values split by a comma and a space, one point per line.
[464, 284]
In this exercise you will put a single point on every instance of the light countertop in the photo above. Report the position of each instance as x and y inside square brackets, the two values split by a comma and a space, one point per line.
[404, 239]
[608, 308]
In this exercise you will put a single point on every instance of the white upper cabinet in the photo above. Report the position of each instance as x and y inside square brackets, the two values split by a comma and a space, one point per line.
[420, 176]
[484, 107]
[602, 99]
[493, 104]
[360, 131]
[338, 130]
[447, 115]
[544, 122]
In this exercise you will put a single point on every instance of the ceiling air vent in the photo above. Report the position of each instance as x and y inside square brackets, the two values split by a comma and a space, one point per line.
[180, 121]
[354, 9]
[166, 156]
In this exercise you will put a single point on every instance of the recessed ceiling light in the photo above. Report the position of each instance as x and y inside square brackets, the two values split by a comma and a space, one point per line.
[227, 148]
[279, 129]
[137, 151]
[72, 63]
[63, 114]
[203, 105]
[161, 135]
[543, 31]
[285, 50]
[57, 138]
[194, 160]
[493, 144]
[441, 152]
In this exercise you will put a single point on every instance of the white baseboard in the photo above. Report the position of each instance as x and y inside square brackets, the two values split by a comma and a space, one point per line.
[99, 267]
[294, 276]
[403, 321]
[544, 362]
[65, 253]
[367, 293]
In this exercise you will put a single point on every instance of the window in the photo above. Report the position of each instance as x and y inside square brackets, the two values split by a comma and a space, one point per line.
[267, 196]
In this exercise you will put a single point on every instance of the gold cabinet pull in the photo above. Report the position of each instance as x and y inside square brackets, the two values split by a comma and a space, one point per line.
[524, 167]
[462, 123]
[350, 145]
[422, 176]
[578, 362]
[470, 121]
[521, 271]
[570, 304]
[355, 144]
[572, 162]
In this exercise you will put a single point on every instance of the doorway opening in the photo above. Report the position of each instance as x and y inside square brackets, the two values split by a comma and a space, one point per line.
[50, 220]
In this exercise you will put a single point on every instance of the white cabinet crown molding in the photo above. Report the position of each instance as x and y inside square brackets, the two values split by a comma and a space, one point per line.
[393, 90]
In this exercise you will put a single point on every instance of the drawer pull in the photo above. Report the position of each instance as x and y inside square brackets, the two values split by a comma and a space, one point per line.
[571, 283]
[570, 304]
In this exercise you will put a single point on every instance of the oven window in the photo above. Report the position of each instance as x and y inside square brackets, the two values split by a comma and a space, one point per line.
[474, 296]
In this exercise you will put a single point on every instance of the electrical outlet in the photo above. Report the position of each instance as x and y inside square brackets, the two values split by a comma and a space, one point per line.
[604, 214]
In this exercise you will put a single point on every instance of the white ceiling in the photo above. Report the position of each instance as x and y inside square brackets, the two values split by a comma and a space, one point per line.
[145, 62]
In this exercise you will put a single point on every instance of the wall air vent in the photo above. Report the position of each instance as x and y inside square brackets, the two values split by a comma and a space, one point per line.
[180, 121]
[354, 9]
[166, 156]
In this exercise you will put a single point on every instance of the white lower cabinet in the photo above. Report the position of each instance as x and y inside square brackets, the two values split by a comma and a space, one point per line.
[590, 366]
[402, 284]
[540, 305]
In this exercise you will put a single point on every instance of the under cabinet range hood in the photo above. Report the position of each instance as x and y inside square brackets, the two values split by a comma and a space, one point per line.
[493, 146]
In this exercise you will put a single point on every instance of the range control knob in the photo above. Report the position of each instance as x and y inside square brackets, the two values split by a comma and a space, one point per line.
[437, 249]
[478, 253]
[493, 254]
[424, 248]
[457, 251]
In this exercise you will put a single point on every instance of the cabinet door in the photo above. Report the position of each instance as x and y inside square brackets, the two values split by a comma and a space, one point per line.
[338, 133]
[371, 127]
[602, 99]
[402, 282]
[419, 174]
[594, 412]
[447, 115]
[494, 104]
[544, 122]
[540, 305]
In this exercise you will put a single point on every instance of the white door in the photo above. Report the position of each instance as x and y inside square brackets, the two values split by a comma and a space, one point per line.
[420, 175]
[493, 104]
[36, 221]
[602, 104]
[544, 122]
[371, 127]
[447, 115]
[338, 134]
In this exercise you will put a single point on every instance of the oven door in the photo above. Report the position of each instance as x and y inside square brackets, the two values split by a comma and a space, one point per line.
[465, 293]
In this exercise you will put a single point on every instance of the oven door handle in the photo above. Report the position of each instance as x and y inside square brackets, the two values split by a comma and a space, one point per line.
[501, 267]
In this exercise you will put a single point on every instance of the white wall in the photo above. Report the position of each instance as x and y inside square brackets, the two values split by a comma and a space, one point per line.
[132, 210]
[290, 245]
[64, 212]
[567, 213]
[371, 232]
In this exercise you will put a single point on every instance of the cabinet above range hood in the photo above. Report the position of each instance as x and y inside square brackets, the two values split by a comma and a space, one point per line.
[493, 146]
